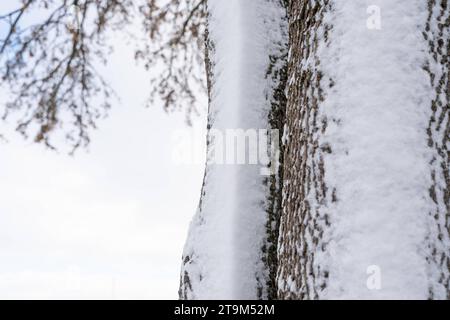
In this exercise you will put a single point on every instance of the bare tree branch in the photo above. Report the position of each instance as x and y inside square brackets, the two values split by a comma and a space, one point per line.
[49, 66]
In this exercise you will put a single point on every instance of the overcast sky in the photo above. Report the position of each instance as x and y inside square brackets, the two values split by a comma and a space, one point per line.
[110, 222]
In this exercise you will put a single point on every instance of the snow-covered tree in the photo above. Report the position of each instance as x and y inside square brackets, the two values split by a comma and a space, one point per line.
[365, 177]
[231, 247]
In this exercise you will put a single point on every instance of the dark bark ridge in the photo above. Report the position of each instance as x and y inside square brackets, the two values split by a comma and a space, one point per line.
[277, 72]
[436, 34]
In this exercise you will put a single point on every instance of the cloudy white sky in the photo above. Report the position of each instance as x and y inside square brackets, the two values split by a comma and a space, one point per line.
[108, 223]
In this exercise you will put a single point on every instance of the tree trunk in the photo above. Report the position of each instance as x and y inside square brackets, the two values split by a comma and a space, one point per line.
[231, 250]
[366, 170]
[363, 187]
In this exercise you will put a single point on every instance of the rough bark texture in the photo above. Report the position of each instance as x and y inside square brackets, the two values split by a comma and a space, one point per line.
[303, 223]
[277, 72]
[437, 35]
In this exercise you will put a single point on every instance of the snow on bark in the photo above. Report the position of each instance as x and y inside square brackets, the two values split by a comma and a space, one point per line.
[366, 179]
[437, 35]
[225, 256]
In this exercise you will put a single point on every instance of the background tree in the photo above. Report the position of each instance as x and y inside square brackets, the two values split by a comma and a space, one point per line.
[49, 50]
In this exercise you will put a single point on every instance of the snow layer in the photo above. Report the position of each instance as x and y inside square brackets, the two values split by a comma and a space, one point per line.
[223, 255]
[378, 111]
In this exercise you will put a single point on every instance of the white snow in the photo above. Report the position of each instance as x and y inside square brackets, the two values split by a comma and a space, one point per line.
[378, 111]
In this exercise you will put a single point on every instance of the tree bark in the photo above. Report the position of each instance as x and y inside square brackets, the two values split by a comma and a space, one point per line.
[303, 225]
[437, 36]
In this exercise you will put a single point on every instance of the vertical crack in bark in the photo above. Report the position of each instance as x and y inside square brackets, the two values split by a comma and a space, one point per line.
[278, 72]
